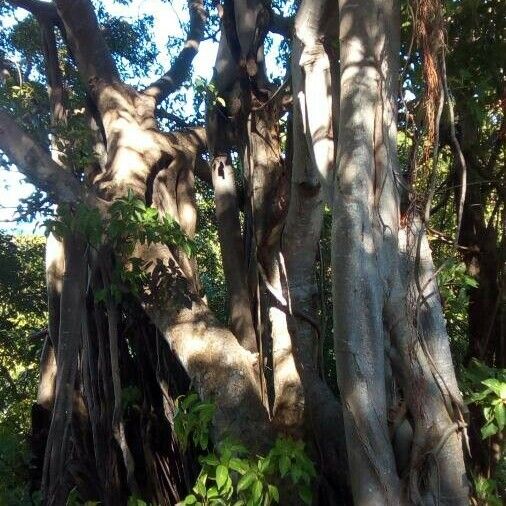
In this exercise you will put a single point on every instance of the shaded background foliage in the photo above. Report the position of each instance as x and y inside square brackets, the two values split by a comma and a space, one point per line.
[22, 316]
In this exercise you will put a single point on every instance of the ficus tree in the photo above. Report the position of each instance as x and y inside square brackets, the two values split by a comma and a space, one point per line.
[127, 311]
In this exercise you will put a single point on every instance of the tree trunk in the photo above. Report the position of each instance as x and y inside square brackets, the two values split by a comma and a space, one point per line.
[376, 344]
[312, 170]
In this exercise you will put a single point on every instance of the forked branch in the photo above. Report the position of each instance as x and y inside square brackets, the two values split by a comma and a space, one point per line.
[179, 70]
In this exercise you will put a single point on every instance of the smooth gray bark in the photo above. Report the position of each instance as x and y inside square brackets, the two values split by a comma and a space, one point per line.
[232, 252]
[359, 288]
[315, 97]
[45, 391]
[378, 311]
[427, 377]
[313, 161]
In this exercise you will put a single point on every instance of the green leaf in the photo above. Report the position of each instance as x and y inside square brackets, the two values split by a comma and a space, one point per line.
[210, 460]
[101, 295]
[488, 430]
[212, 493]
[273, 492]
[495, 385]
[263, 464]
[200, 486]
[246, 481]
[306, 495]
[284, 465]
[190, 499]
[500, 415]
[478, 396]
[256, 493]
[205, 408]
[228, 488]
[203, 440]
[296, 474]
[221, 476]
[189, 400]
[309, 468]
[73, 498]
[238, 465]
[135, 501]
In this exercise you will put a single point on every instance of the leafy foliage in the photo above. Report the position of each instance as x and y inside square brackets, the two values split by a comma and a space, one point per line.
[192, 418]
[230, 474]
[454, 284]
[475, 75]
[207, 253]
[74, 499]
[486, 387]
[486, 491]
[129, 222]
[22, 313]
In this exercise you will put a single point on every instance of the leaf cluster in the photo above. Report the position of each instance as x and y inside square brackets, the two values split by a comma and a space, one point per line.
[230, 474]
[455, 284]
[486, 387]
[130, 222]
[192, 419]
[486, 491]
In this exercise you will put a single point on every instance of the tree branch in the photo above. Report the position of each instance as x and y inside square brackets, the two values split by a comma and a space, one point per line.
[55, 87]
[170, 81]
[281, 25]
[37, 8]
[36, 163]
[180, 122]
[86, 41]
[202, 170]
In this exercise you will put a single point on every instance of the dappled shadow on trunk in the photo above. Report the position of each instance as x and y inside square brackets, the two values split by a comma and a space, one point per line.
[403, 413]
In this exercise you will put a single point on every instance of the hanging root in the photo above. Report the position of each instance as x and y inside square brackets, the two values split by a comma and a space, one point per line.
[430, 37]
